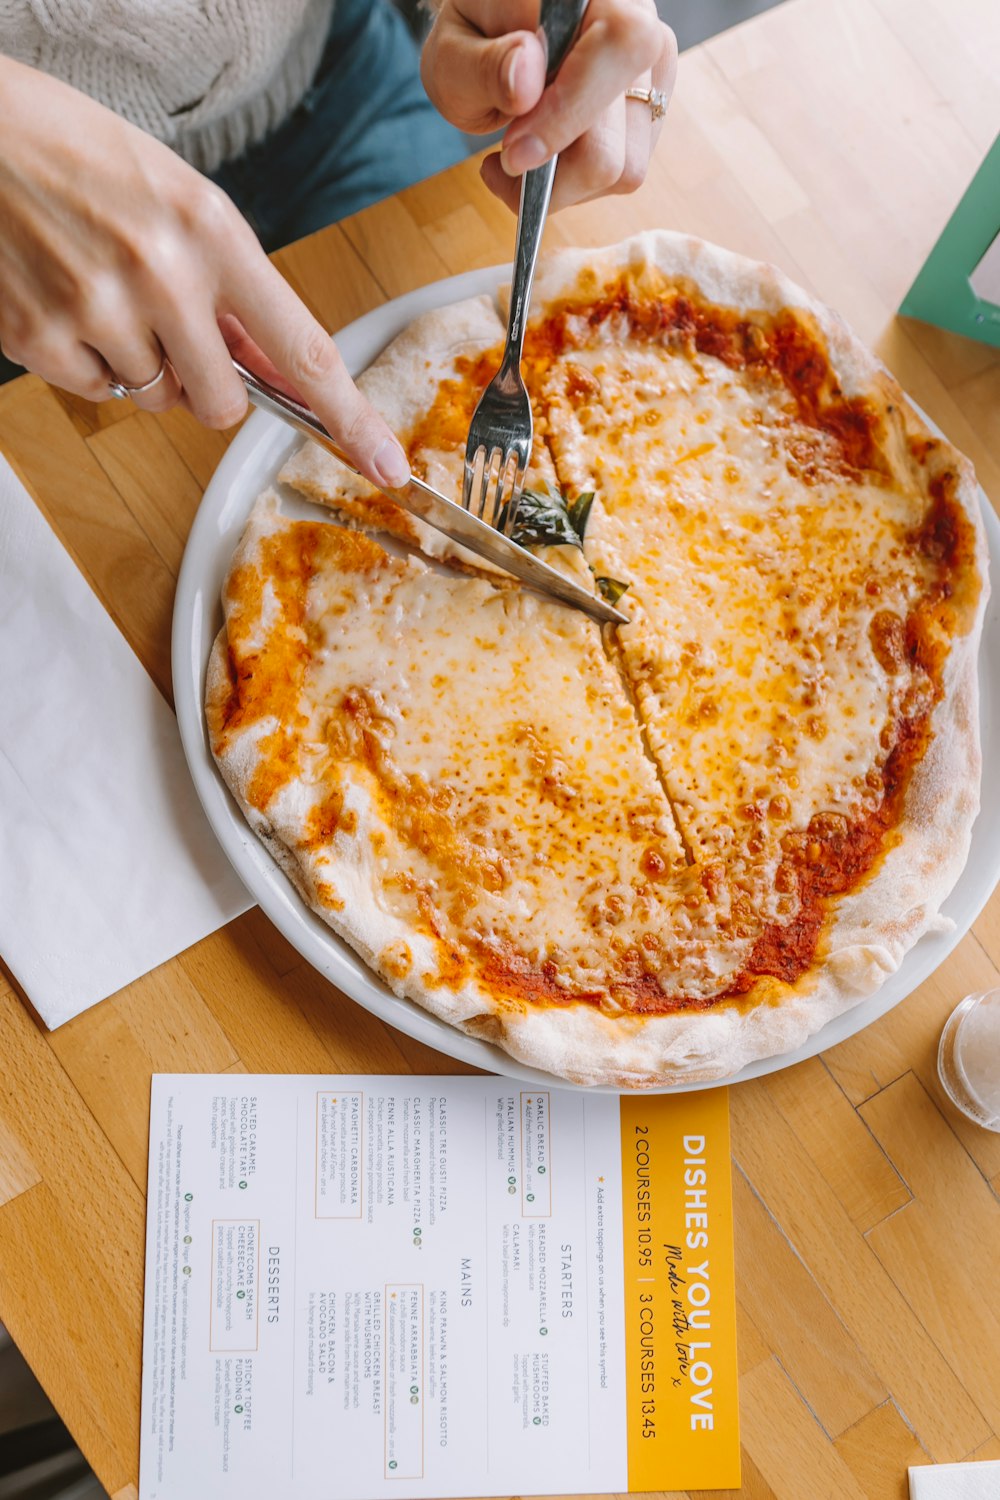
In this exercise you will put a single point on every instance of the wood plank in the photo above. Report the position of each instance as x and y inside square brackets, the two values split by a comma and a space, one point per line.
[200, 447]
[921, 149]
[834, 276]
[850, 1160]
[887, 1332]
[725, 212]
[17, 1170]
[252, 1005]
[754, 1486]
[946, 1276]
[957, 52]
[153, 480]
[752, 1348]
[158, 1024]
[907, 1038]
[952, 358]
[394, 248]
[878, 1451]
[815, 1350]
[41, 1111]
[786, 1442]
[979, 397]
[987, 927]
[988, 1450]
[430, 201]
[275, 947]
[710, 97]
[71, 1312]
[89, 417]
[330, 277]
[79, 1313]
[423, 1059]
[355, 1040]
[657, 204]
[463, 240]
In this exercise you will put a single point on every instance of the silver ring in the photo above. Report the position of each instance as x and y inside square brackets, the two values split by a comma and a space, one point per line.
[655, 98]
[120, 390]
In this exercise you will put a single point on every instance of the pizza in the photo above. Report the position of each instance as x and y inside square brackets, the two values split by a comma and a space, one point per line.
[652, 853]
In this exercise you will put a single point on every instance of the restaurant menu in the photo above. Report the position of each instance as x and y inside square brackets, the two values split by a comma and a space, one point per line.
[362, 1287]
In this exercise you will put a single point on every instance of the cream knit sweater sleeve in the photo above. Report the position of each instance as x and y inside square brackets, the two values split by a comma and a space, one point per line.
[208, 77]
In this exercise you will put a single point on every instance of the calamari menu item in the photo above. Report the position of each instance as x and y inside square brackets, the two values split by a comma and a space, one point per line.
[369, 1286]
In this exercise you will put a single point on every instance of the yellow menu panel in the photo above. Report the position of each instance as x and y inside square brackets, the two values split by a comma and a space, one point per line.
[680, 1301]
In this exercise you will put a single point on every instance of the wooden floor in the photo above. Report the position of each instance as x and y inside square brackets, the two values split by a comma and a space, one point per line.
[833, 137]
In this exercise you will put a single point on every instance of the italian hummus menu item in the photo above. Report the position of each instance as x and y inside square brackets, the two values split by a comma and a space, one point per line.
[366, 1287]
[657, 853]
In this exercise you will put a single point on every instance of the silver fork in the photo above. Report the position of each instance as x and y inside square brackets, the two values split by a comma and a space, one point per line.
[501, 430]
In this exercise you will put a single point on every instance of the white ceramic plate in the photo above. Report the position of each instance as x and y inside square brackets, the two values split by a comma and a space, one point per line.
[250, 464]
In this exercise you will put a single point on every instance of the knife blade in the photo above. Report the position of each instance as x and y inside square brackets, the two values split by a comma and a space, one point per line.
[437, 510]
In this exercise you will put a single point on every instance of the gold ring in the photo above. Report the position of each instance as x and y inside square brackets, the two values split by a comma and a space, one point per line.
[120, 390]
[655, 98]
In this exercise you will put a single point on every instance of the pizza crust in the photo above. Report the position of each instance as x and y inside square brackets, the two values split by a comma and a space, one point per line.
[875, 925]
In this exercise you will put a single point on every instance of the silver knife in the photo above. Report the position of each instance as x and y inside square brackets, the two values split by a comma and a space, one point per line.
[438, 511]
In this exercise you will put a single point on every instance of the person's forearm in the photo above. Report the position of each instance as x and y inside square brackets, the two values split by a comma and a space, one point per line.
[117, 259]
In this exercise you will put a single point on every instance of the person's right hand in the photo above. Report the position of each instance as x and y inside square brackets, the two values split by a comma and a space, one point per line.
[115, 253]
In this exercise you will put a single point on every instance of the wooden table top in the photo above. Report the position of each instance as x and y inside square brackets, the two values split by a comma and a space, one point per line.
[833, 139]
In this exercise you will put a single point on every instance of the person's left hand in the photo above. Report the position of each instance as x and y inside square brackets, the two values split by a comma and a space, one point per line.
[484, 68]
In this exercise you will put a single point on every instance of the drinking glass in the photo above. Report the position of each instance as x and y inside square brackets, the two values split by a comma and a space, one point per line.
[969, 1058]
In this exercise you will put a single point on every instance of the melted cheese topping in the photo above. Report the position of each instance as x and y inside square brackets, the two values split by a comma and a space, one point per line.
[761, 574]
[658, 821]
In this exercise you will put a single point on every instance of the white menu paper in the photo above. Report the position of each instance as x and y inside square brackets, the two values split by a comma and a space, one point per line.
[360, 1287]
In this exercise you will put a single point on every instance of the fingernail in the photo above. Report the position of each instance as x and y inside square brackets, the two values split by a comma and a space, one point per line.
[390, 463]
[523, 154]
[512, 69]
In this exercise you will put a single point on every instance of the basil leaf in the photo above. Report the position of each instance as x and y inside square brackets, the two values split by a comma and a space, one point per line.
[541, 520]
[611, 588]
[579, 513]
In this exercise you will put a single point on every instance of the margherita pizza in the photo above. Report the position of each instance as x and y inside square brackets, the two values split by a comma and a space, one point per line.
[652, 853]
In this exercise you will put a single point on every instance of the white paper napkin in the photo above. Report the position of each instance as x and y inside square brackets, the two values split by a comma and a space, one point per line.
[976, 1481]
[107, 864]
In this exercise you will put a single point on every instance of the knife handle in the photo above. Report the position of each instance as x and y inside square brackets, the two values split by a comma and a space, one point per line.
[560, 21]
[269, 398]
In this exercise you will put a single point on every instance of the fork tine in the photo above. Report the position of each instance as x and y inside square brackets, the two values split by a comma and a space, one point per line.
[516, 490]
[493, 487]
[467, 482]
[475, 479]
[500, 489]
[514, 468]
